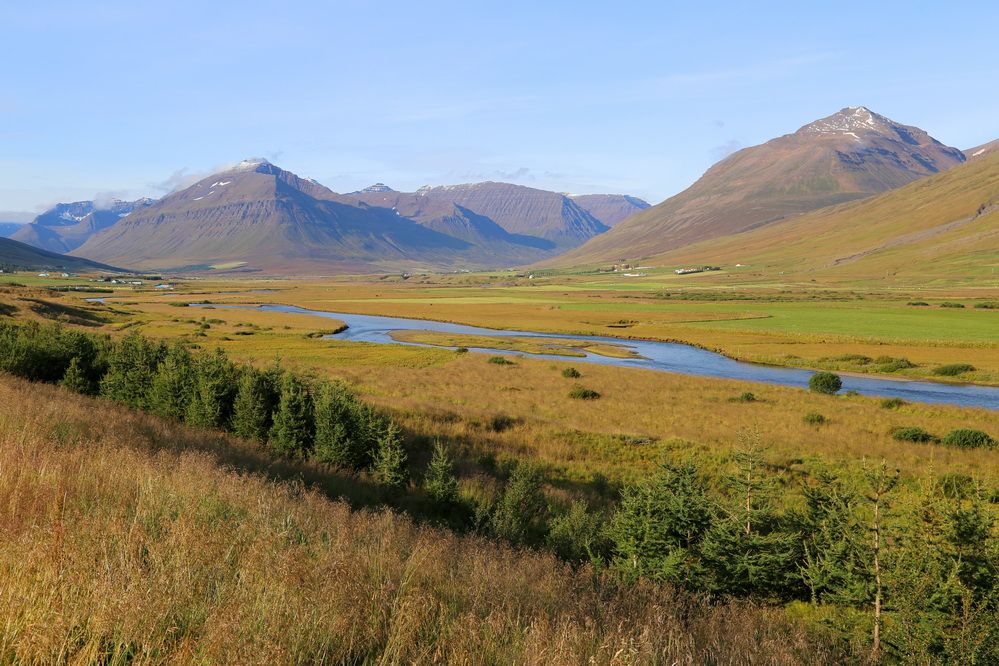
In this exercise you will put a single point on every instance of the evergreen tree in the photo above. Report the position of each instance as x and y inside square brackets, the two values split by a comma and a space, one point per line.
[440, 482]
[389, 465]
[292, 429]
[172, 386]
[577, 535]
[132, 365]
[517, 513]
[659, 526]
[214, 388]
[253, 405]
[74, 379]
[340, 439]
[747, 552]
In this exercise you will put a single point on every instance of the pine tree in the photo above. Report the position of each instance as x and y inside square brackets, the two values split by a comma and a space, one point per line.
[389, 465]
[74, 379]
[748, 552]
[132, 365]
[292, 430]
[339, 439]
[518, 511]
[171, 387]
[440, 482]
[212, 397]
[253, 406]
[659, 526]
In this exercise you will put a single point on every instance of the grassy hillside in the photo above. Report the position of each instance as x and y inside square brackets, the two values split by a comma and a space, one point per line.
[17, 255]
[131, 540]
[944, 228]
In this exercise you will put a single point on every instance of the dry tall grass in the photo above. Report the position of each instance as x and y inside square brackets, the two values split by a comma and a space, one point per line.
[126, 539]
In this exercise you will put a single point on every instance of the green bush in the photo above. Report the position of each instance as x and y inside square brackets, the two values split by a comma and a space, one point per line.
[745, 397]
[990, 305]
[919, 304]
[499, 360]
[461, 350]
[966, 438]
[813, 418]
[571, 373]
[583, 393]
[892, 403]
[953, 369]
[912, 434]
[951, 304]
[891, 364]
[825, 382]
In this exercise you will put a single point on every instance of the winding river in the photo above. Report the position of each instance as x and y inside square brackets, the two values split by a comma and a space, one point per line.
[663, 356]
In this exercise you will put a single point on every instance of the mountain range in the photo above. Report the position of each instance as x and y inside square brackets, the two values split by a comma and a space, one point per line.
[849, 155]
[257, 216]
[66, 226]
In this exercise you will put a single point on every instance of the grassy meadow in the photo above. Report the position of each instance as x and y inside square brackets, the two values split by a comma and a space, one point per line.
[260, 557]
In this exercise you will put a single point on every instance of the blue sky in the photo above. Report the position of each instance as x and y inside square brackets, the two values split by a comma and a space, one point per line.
[640, 97]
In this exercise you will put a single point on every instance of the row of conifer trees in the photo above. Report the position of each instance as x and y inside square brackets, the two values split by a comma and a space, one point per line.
[276, 407]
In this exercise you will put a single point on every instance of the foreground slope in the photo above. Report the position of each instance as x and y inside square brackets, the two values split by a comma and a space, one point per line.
[849, 155]
[128, 539]
[21, 256]
[941, 228]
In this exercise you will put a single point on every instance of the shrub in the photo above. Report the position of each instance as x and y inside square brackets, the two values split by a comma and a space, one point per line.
[583, 393]
[571, 373]
[745, 397]
[461, 350]
[990, 305]
[813, 418]
[951, 304]
[953, 369]
[966, 438]
[499, 360]
[440, 482]
[891, 364]
[912, 434]
[892, 403]
[388, 466]
[859, 359]
[825, 382]
[920, 304]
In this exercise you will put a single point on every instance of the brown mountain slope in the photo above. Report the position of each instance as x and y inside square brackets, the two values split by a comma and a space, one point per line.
[21, 256]
[610, 208]
[67, 226]
[522, 211]
[849, 155]
[943, 228]
[272, 220]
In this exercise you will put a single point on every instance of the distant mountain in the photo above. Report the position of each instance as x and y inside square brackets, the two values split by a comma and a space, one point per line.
[849, 155]
[553, 220]
[983, 150]
[937, 229]
[21, 256]
[261, 217]
[610, 208]
[8, 228]
[67, 226]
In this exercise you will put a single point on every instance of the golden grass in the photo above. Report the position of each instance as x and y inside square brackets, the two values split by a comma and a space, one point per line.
[526, 344]
[126, 539]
